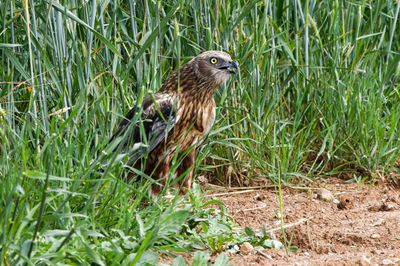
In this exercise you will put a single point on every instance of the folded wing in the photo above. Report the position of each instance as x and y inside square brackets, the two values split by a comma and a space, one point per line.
[139, 134]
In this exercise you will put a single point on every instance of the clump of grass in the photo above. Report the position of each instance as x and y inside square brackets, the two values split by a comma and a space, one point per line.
[317, 95]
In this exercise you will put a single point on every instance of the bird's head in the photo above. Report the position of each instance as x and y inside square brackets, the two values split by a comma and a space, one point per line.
[214, 66]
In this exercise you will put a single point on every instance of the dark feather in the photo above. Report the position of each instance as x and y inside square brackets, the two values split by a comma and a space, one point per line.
[157, 119]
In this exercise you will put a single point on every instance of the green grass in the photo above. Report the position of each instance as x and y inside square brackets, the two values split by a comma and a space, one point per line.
[317, 95]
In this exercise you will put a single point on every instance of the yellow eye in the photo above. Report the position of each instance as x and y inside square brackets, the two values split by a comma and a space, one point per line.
[213, 60]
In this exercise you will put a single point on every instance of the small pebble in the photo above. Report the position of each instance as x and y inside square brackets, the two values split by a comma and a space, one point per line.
[324, 194]
[246, 248]
[235, 249]
[336, 201]
[387, 262]
[375, 236]
[261, 204]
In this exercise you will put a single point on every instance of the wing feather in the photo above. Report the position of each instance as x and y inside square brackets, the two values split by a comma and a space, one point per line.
[157, 119]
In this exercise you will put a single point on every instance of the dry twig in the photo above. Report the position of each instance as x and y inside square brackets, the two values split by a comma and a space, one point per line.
[286, 226]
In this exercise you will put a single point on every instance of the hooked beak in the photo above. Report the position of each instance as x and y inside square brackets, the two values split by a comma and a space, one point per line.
[231, 67]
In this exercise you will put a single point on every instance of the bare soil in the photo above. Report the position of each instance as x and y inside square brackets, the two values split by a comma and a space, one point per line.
[342, 224]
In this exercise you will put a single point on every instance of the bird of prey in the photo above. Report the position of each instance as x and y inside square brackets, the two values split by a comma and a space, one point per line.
[177, 117]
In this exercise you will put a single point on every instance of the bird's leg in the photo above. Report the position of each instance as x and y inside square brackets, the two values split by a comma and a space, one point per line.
[187, 164]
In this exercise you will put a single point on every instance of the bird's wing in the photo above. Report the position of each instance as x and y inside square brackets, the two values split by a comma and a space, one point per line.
[157, 119]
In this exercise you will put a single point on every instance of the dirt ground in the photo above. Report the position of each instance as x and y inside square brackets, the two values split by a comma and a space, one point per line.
[331, 223]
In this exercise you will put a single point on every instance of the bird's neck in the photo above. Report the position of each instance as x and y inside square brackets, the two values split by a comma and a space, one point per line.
[199, 95]
[188, 85]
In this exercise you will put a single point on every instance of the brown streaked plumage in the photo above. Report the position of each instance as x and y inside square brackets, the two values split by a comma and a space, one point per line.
[177, 117]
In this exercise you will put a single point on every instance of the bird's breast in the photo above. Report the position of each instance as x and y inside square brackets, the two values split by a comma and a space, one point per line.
[198, 117]
[193, 122]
